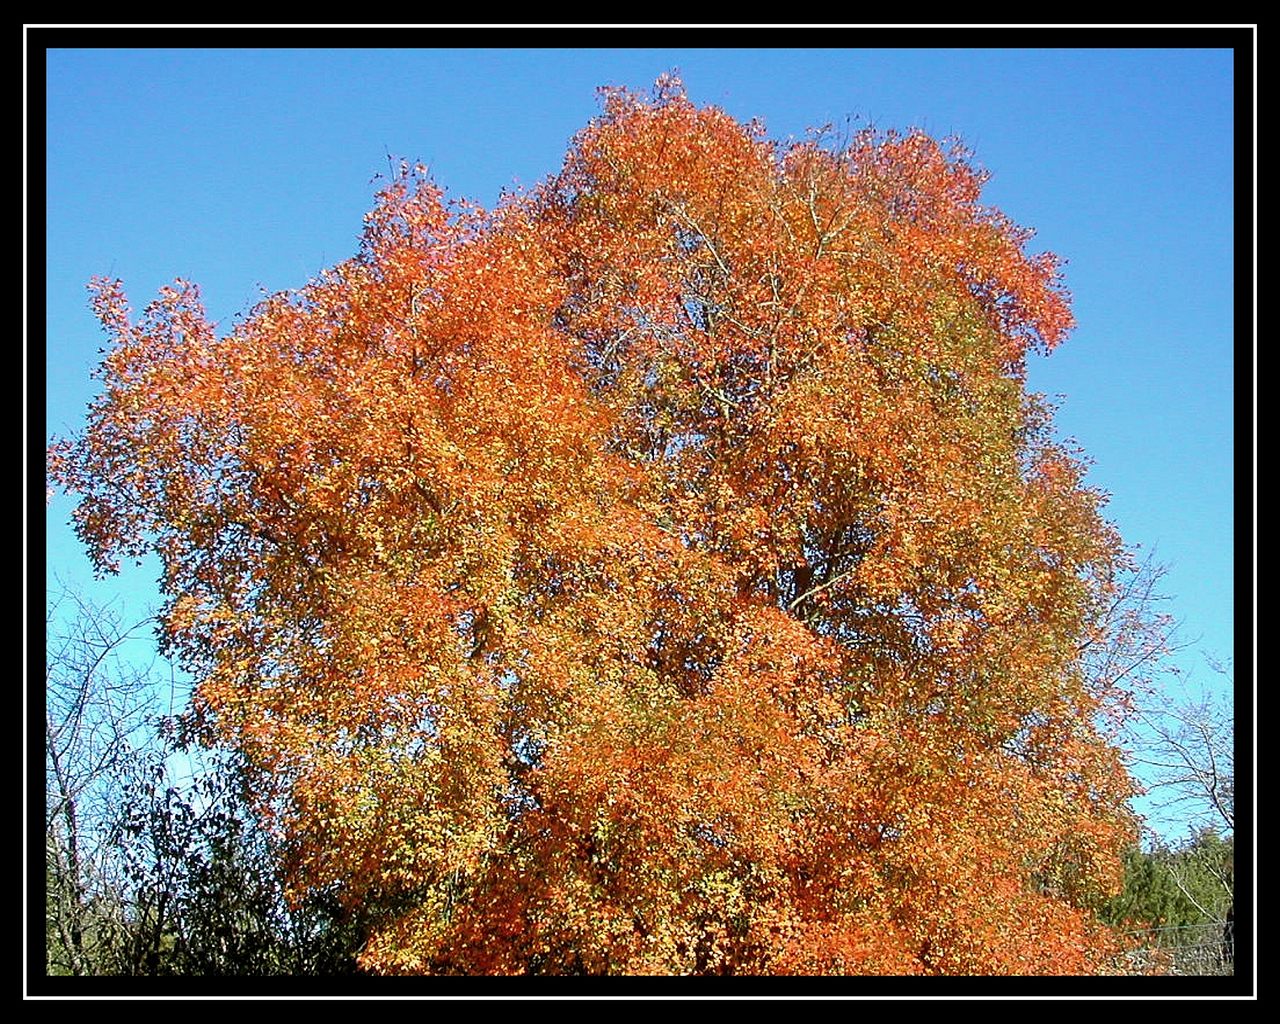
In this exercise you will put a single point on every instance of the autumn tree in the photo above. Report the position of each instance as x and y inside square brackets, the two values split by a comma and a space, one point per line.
[666, 572]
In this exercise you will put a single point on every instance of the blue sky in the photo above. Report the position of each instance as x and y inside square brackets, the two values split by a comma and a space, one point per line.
[245, 170]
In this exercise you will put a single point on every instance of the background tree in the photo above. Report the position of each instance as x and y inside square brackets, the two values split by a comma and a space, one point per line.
[1178, 903]
[666, 572]
[205, 893]
[148, 873]
[1185, 737]
[97, 706]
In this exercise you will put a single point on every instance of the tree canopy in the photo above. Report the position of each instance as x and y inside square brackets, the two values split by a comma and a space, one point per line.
[665, 572]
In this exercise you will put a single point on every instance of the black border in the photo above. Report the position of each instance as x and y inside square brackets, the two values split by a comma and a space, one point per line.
[1242, 40]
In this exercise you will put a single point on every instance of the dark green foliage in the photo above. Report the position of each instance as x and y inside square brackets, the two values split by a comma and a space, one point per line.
[1177, 888]
[200, 894]
[207, 893]
[1180, 901]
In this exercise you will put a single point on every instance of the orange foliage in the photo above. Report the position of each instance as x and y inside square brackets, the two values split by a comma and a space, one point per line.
[666, 572]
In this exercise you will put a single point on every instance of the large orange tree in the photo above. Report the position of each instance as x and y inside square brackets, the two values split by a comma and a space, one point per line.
[666, 572]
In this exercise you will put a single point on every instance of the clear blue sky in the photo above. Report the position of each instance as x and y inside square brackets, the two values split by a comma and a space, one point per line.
[249, 169]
